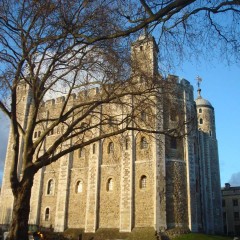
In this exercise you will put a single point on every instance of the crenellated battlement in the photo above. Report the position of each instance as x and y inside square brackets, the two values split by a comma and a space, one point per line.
[74, 97]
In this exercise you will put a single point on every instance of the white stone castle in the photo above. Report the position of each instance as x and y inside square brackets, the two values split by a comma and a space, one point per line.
[161, 182]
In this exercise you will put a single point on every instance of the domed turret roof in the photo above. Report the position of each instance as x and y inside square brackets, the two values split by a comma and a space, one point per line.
[202, 102]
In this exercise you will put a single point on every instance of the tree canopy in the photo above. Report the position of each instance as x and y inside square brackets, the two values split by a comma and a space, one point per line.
[57, 47]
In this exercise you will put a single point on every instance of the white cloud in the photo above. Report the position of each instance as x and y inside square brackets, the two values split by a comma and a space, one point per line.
[4, 131]
[235, 179]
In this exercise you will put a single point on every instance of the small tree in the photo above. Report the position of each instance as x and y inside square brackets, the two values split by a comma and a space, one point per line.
[59, 47]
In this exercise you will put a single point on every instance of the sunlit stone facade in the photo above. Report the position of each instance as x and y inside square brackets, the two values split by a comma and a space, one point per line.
[136, 179]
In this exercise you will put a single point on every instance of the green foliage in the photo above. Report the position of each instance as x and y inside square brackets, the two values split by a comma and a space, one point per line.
[197, 236]
[142, 234]
[102, 234]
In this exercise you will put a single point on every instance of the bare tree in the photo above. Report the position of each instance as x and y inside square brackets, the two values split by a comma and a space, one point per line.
[60, 48]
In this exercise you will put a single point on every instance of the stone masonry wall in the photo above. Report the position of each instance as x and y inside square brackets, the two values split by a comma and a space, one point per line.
[109, 203]
[176, 200]
[144, 196]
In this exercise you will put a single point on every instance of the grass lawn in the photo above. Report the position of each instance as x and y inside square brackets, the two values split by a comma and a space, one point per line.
[197, 236]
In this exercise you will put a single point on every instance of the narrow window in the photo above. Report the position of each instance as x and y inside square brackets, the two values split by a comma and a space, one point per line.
[235, 202]
[141, 48]
[143, 116]
[223, 203]
[109, 184]
[126, 143]
[79, 187]
[110, 147]
[236, 215]
[50, 132]
[200, 110]
[144, 143]
[173, 115]
[39, 133]
[47, 214]
[94, 148]
[81, 152]
[201, 121]
[50, 187]
[173, 143]
[110, 121]
[83, 125]
[143, 182]
[35, 134]
[210, 133]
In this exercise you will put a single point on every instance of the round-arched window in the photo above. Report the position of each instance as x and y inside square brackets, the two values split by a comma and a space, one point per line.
[144, 143]
[50, 187]
[79, 187]
[143, 182]
[47, 214]
[110, 184]
[110, 147]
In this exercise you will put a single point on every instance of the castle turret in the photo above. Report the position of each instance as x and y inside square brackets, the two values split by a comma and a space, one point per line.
[209, 166]
[23, 106]
[144, 58]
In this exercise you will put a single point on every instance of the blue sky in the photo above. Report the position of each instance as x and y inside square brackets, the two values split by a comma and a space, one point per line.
[221, 86]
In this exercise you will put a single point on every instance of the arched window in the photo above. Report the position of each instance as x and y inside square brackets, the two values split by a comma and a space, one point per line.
[50, 187]
[200, 110]
[110, 121]
[58, 130]
[143, 116]
[201, 121]
[47, 214]
[126, 143]
[94, 148]
[35, 134]
[81, 152]
[51, 132]
[79, 187]
[143, 182]
[109, 184]
[173, 115]
[173, 143]
[83, 125]
[143, 143]
[110, 147]
[39, 133]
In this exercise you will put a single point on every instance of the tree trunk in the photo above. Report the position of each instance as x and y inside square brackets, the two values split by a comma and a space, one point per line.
[21, 210]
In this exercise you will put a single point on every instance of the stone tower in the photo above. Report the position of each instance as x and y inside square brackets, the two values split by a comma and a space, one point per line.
[133, 180]
[209, 165]
[144, 60]
[24, 98]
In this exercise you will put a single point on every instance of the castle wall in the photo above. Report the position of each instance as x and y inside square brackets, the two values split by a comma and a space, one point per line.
[182, 198]
[209, 167]
[22, 110]
[136, 179]
[126, 181]
[78, 197]
[48, 199]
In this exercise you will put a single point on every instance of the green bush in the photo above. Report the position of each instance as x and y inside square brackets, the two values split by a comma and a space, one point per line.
[197, 236]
